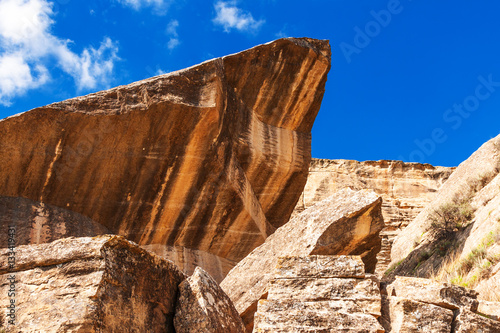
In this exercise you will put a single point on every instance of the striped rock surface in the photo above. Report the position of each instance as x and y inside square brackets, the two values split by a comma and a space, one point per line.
[213, 157]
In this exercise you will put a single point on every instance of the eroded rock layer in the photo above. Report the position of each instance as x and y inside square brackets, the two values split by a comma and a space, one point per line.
[405, 188]
[311, 294]
[346, 223]
[35, 222]
[87, 285]
[213, 157]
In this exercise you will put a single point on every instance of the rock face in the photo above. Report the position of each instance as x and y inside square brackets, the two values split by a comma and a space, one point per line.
[311, 294]
[88, 285]
[187, 260]
[406, 188]
[422, 305]
[467, 252]
[203, 307]
[346, 223]
[212, 158]
[36, 222]
[411, 316]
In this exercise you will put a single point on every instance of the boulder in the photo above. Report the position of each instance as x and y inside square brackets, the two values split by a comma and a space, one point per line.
[407, 316]
[489, 309]
[212, 158]
[406, 188]
[326, 302]
[203, 307]
[100, 284]
[428, 291]
[342, 224]
[36, 222]
[326, 316]
[469, 322]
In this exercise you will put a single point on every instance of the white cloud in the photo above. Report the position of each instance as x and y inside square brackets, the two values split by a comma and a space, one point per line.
[229, 16]
[174, 36]
[160, 6]
[27, 46]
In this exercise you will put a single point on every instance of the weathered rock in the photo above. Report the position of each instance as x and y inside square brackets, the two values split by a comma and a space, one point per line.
[427, 291]
[325, 316]
[300, 301]
[406, 188]
[337, 225]
[411, 316]
[203, 307]
[36, 222]
[363, 292]
[213, 157]
[469, 322]
[489, 309]
[475, 184]
[315, 266]
[187, 260]
[101, 284]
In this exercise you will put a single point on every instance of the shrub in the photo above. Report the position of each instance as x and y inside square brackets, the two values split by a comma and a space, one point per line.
[451, 217]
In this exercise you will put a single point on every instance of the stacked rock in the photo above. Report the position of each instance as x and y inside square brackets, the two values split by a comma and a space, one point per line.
[320, 294]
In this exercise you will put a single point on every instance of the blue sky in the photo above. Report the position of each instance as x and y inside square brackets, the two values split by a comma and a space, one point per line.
[415, 80]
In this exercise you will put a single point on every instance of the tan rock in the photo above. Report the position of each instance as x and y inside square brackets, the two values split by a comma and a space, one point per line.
[314, 266]
[212, 158]
[325, 316]
[89, 285]
[337, 225]
[188, 259]
[477, 181]
[489, 309]
[411, 316]
[363, 292]
[36, 222]
[203, 307]
[469, 322]
[406, 188]
[428, 291]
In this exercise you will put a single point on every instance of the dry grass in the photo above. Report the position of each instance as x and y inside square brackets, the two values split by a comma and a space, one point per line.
[474, 268]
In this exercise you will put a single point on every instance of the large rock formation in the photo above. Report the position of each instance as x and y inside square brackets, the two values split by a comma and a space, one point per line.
[456, 238]
[36, 222]
[101, 284]
[213, 157]
[346, 223]
[422, 305]
[188, 260]
[320, 294]
[406, 188]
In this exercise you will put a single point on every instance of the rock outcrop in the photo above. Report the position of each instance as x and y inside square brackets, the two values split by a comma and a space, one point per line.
[202, 307]
[346, 223]
[406, 188]
[187, 260]
[100, 284]
[212, 158]
[320, 294]
[456, 238]
[422, 305]
[36, 222]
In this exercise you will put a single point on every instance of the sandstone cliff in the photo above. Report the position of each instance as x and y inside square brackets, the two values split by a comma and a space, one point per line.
[456, 238]
[36, 222]
[212, 158]
[406, 188]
